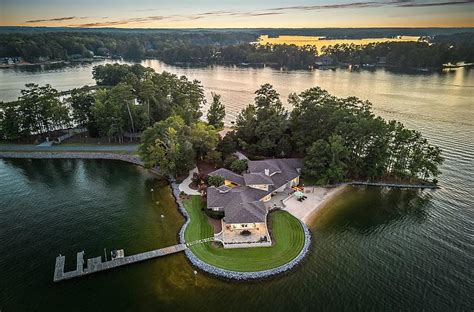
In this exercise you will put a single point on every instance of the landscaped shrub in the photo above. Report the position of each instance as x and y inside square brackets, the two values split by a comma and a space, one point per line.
[215, 181]
[214, 214]
[239, 166]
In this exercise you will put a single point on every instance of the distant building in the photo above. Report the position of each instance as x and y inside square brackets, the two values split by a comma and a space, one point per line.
[242, 199]
[324, 60]
[11, 60]
[382, 60]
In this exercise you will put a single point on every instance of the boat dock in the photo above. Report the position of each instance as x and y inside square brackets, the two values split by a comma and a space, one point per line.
[96, 264]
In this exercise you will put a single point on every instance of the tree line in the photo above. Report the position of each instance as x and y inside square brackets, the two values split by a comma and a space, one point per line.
[403, 54]
[34, 47]
[232, 48]
[339, 138]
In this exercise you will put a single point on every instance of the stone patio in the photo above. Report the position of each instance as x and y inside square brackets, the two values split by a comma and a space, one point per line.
[315, 196]
[234, 236]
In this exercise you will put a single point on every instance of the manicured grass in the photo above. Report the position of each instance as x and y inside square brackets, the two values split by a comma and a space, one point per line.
[287, 237]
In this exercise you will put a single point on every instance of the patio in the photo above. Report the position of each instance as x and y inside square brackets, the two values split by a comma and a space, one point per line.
[301, 209]
[234, 236]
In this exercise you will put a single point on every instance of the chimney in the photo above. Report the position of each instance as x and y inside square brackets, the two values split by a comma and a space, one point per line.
[267, 172]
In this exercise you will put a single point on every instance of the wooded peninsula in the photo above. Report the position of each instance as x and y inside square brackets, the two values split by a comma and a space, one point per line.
[340, 139]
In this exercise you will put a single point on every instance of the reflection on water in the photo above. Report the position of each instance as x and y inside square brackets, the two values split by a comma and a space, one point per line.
[365, 209]
[320, 42]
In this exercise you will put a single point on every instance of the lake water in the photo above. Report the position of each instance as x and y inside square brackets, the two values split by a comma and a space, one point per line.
[372, 249]
[320, 42]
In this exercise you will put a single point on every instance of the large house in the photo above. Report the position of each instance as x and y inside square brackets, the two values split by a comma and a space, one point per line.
[245, 199]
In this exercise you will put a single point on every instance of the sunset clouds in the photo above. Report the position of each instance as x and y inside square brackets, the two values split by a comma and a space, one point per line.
[341, 13]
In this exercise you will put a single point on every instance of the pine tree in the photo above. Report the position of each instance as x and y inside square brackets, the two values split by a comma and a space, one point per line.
[216, 114]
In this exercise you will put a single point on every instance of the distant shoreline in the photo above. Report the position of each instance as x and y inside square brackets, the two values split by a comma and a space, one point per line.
[203, 64]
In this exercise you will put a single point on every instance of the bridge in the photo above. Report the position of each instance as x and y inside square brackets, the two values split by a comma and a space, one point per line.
[96, 264]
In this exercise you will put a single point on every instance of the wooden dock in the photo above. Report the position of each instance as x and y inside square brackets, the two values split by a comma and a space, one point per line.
[96, 265]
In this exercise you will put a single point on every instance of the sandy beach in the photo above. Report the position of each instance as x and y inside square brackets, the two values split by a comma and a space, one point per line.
[317, 197]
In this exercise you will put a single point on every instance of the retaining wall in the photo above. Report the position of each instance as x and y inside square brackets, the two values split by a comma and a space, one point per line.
[234, 274]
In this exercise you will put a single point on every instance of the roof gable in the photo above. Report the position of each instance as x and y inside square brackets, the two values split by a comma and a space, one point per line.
[242, 204]
[228, 175]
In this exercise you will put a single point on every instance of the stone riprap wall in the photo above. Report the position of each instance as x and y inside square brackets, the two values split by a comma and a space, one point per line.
[73, 155]
[391, 185]
[182, 210]
[234, 274]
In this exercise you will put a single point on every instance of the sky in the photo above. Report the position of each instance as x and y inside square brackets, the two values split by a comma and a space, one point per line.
[237, 14]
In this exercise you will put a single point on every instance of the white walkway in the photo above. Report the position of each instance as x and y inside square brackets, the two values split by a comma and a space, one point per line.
[184, 186]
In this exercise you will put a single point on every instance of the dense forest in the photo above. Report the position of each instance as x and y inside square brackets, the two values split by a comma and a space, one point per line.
[339, 138]
[63, 45]
[231, 47]
[404, 54]
[129, 104]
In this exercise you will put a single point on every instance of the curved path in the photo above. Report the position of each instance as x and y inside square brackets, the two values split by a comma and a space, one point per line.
[184, 186]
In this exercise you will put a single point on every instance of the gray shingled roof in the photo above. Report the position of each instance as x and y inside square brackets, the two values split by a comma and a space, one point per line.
[274, 165]
[228, 175]
[281, 170]
[239, 194]
[257, 178]
[254, 212]
[223, 188]
[242, 204]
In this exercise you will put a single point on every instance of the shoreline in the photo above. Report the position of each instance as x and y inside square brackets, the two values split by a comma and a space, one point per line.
[332, 193]
[133, 159]
[317, 198]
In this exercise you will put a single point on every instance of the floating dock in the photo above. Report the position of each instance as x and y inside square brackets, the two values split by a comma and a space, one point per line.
[96, 265]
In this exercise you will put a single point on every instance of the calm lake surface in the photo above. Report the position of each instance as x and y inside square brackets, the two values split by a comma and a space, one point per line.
[373, 249]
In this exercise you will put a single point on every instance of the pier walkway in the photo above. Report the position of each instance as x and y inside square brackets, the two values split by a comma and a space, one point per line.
[96, 264]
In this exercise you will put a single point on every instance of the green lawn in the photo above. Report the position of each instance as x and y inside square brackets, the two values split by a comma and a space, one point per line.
[288, 240]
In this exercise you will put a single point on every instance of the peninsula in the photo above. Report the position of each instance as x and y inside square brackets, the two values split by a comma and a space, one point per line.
[255, 185]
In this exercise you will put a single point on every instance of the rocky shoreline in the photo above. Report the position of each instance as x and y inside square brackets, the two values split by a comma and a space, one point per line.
[234, 275]
[73, 155]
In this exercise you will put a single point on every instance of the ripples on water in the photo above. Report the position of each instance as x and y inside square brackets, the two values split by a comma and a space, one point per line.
[373, 249]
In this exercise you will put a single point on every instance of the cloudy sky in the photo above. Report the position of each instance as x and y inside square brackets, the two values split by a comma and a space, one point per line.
[237, 14]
